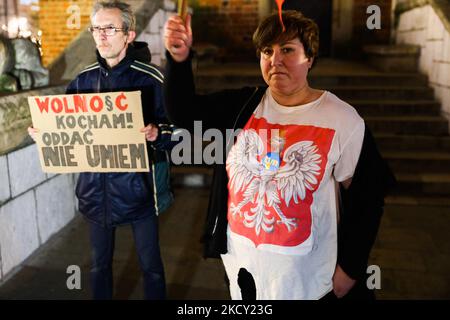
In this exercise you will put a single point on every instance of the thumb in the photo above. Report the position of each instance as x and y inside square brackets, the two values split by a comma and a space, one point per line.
[188, 24]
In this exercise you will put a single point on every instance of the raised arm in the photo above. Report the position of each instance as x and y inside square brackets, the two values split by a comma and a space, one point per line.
[217, 110]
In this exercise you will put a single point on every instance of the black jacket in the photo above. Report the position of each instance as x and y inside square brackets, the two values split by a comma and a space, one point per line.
[362, 203]
[111, 199]
[362, 207]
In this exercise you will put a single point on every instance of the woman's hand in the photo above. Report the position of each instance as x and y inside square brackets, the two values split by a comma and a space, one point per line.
[151, 132]
[178, 37]
[342, 283]
[32, 132]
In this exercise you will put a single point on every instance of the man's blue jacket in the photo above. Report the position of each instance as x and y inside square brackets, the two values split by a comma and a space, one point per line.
[111, 199]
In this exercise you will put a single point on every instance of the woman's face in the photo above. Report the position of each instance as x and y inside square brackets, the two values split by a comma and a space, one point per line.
[284, 67]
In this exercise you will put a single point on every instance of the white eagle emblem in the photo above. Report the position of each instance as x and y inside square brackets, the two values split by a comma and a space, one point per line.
[262, 188]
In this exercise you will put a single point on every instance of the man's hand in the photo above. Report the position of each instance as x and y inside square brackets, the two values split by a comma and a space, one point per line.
[32, 132]
[151, 132]
[178, 37]
[342, 283]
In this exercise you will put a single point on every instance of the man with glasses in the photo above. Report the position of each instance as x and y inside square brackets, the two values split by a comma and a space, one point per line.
[111, 199]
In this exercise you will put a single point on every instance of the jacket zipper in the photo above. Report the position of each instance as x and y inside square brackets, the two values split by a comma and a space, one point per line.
[105, 203]
[103, 175]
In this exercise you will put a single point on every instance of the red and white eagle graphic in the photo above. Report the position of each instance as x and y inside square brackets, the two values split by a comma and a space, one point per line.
[272, 204]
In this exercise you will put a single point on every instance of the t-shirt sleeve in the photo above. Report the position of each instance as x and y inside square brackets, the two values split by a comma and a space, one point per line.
[350, 151]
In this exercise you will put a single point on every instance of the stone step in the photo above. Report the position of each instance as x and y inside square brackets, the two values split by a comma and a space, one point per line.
[419, 143]
[396, 107]
[415, 162]
[381, 80]
[422, 184]
[251, 74]
[345, 93]
[198, 176]
[383, 93]
[426, 189]
[418, 200]
[213, 82]
[434, 126]
[218, 82]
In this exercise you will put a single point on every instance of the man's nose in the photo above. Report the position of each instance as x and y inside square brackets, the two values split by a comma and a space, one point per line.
[102, 34]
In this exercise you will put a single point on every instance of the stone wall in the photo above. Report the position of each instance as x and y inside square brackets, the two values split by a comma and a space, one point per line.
[33, 206]
[153, 32]
[424, 26]
[30, 209]
[231, 23]
[15, 117]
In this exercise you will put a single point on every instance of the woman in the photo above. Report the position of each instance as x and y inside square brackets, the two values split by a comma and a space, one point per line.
[273, 214]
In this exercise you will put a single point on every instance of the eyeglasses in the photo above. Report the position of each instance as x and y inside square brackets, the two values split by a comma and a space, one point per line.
[109, 30]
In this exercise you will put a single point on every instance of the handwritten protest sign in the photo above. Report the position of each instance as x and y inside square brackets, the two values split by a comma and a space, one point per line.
[98, 132]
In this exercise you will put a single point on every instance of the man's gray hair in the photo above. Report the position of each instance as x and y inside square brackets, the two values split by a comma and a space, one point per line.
[128, 18]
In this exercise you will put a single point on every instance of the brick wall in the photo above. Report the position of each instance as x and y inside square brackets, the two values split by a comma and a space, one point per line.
[229, 24]
[53, 18]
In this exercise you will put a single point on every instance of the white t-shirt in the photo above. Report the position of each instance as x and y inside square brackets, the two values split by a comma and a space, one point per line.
[282, 208]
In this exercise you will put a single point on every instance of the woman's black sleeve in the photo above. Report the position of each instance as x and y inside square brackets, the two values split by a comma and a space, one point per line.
[362, 206]
[217, 110]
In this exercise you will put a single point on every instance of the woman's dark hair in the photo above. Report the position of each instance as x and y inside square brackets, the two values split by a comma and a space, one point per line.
[270, 31]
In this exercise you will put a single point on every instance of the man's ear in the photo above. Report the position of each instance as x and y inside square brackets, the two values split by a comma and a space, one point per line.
[131, 36]
[310, 62]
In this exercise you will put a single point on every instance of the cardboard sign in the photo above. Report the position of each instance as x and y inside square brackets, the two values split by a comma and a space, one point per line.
[97, 132]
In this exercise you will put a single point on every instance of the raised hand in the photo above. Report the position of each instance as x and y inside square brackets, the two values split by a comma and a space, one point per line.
[178, 37]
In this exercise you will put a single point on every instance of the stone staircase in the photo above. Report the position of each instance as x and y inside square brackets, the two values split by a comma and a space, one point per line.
[411, 133]
[399, 108]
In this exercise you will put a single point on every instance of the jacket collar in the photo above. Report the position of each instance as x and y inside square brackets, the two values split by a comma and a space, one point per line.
[136, 51]
[121, 66]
